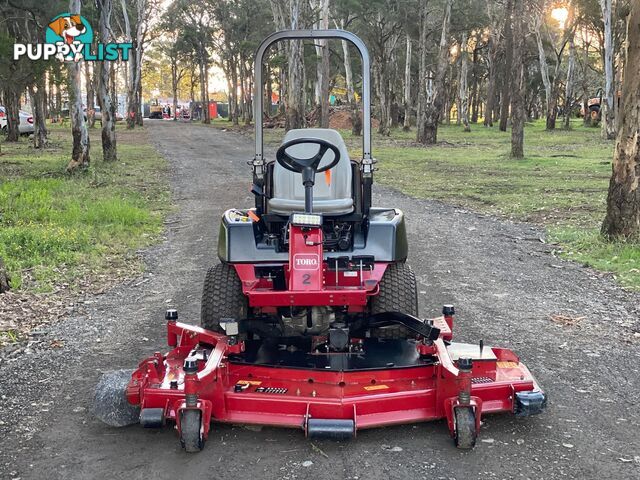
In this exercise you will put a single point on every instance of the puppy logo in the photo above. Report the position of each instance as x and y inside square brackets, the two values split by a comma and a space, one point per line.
[68, 27]
[71, 30]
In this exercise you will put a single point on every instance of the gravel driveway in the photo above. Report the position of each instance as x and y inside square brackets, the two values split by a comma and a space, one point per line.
[506, 285]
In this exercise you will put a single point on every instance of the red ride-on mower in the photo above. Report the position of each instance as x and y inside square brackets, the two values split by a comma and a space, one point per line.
[310, 320]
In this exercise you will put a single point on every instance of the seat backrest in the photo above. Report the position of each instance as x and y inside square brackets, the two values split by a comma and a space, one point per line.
[336, 185]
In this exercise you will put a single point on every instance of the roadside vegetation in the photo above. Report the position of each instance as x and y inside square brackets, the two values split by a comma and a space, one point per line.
[78, 229]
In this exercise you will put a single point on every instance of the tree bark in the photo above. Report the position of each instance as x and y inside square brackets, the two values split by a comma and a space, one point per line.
[12, 106]
[623, 201]
[91, 113]
[492, 61]
[608, 99]
[474, 100]
[568, 92]
[505, 100]
[81, 144]
[348, 73]
[38, 103]
[518, 84]
[295, 108]
[107, 105]
[463, 92]
[323, 67]
[4, 278]
[131, 66]
[423, 74]
[407, 87]
[427, 131]
[544, 72]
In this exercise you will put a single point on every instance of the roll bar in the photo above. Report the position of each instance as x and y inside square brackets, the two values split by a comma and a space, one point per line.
[319, 34]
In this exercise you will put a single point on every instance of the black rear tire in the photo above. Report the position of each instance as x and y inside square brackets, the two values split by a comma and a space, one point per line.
[398, 293]
[465, 434]
[222, 297]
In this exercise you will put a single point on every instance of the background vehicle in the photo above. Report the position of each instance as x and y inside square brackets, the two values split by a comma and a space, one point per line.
[98, 115]
[26, 122]
[155, 109]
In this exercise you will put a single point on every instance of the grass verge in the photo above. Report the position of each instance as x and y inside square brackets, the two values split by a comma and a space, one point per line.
[66, 231]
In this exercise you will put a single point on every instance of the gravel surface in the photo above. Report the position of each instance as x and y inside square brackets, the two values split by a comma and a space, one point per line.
[572, 326]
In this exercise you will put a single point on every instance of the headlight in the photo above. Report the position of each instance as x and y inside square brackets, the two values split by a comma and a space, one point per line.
[306, 220]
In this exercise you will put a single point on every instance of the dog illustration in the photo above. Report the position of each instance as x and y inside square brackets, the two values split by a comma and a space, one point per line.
[68, 27]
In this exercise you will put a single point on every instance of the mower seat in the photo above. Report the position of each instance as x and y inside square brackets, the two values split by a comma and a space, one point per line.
[332, 193]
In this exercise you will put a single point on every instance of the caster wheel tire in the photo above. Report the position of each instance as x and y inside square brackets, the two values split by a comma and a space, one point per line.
[465, 433]
[190, 431]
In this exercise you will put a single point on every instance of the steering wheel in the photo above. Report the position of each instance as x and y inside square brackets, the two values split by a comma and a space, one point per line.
[298, 165]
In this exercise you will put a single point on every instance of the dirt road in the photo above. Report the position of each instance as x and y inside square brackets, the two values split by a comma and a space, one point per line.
[504, 282]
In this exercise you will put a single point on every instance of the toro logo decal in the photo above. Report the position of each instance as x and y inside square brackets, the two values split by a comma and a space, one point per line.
[306, 261]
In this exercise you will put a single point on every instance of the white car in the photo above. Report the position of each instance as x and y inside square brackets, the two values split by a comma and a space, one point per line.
[26, 122]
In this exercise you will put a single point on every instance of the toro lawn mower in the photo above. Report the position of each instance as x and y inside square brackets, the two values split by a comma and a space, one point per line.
[310, 320]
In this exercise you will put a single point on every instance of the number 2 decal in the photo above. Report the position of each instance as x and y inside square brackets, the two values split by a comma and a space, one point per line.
[306, 279]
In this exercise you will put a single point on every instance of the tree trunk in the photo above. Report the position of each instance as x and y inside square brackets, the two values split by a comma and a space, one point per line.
[544, 71]
[407, 87]
[91, 113]
[38, 102]
[623, 201]
[492, 64]
[608, 99]
[427, 131]
[463, 92]
[139, 119]
[295, 108]
[278, 11]
[348, 73]
[174, 85]
[81, 145]
[518, 84]
[132, 69]
[568, 92]
[204, 99]
[235, 119]
[474, 100]
[107, 105]
[4, 278]
[12, 106]
[324, 67]
[508, 69]
[422, 64]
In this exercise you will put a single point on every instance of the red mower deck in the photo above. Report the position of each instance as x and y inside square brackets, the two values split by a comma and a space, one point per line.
[208, 373]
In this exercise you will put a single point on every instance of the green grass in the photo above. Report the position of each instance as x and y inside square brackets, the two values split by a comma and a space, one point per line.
[57, 228]
[560, 184]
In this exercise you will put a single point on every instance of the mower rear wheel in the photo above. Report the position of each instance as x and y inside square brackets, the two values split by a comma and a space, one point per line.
[190, 431]
[398, 293]
[465, 433]
[222, 297]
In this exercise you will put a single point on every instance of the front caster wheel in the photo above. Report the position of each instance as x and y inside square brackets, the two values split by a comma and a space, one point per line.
[465, 427]
[190, 430]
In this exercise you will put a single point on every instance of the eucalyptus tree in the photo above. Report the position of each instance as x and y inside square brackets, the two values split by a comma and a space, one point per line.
[80, 154]
[103, 73]
[431, 106]
[623, 201]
